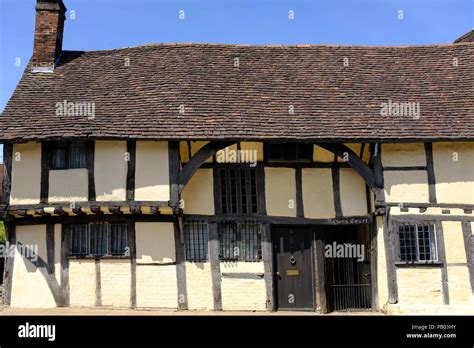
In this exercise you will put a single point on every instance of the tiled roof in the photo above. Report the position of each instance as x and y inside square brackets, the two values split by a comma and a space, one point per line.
[249, 92]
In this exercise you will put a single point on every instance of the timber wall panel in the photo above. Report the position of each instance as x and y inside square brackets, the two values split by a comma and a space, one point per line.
[156, 277]
[198, 195]
[403, 155]
[29, 287]
[116, 282]
[460, 291]
[353, 193]
[199, 285]
[70, 185]
[243, 293]
[280, 191]
[406, 186]
[454, 179]
[318, 197]
[110, 170]
[82, 283]
[26, 173]
[152, 171]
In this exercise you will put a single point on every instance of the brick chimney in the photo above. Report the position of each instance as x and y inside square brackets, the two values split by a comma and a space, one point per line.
[50, 16]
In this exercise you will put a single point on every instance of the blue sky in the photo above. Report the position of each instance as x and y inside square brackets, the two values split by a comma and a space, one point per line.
[107, 24]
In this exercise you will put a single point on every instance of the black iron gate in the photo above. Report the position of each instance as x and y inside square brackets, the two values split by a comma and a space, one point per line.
[348, 276]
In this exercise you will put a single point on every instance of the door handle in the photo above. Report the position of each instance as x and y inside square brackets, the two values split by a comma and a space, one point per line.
[278, 275]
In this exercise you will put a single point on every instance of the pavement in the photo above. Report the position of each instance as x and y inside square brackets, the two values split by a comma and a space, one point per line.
[153, 312]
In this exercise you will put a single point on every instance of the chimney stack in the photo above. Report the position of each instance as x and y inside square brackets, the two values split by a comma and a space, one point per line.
[50, 17]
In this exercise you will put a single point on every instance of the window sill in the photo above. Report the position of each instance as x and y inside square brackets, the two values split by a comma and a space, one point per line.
[419, 264]
[92, 257]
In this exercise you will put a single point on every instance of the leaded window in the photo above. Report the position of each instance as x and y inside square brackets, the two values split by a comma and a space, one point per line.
[290, 152]
[68, 155]
[417, 243]
[196, 235]
[240, 241]
[238, 190]
[99, 239]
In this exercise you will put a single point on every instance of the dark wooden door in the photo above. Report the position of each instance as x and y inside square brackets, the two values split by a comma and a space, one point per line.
[293, 268]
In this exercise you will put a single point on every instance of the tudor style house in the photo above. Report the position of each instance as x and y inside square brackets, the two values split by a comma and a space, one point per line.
[227, 177]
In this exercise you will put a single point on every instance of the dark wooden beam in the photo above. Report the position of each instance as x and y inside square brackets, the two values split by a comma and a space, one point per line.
[180, 264]
[131, 164]
[336, 191]
[50, 247]
[374, 266]
[174, 175]
[430, 171]
[442, 259]
[215, 266]
[64, 275]
[45, 168]
[262, 206]
[7, 173]
[197, 160]
[299, 193]
[468, 246]
[132, 244]
[10, 230]
[90, 154]
[98, 284]
[319, 271]
[378, 188]
[91, 218]
[353, 160]
[390, 257]
[267, 258]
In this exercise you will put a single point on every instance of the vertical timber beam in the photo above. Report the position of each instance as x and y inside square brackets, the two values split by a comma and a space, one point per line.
[215, 266]
[267, 258]
[7, 174]
[262, 206]
[45, 168]
[378, 174]
[390, 252]
[90, 153]
[430, 172]
[98, 284]
[336, 191]
[65, 249]
[320, 271]
[468, 246]
[132, 243]
[180, 263]
[442, 259]
[174, 167]
[373, 264]
[299, 193]
[50, 248]
[10, 229]
[131, 164]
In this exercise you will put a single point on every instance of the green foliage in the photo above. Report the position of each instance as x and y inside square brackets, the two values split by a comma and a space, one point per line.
[2, 234]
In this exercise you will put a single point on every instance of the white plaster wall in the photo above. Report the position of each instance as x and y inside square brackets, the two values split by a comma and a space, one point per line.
[318, 197]
[406, 186]
[280, 191]
[26, 173]
[198, 195]
[199, 285]
[353, 193]
[69, 185]
[152, 171]
[29, 288]
[110, 170]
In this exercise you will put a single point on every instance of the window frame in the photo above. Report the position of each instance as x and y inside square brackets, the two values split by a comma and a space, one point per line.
[296, 159]
[237, 242]
[89, 240]
[67, 146]
[205, 228]
[416, 224]
[224, 189]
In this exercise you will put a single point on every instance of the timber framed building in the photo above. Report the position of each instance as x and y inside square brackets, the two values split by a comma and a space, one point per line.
[217, 177]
